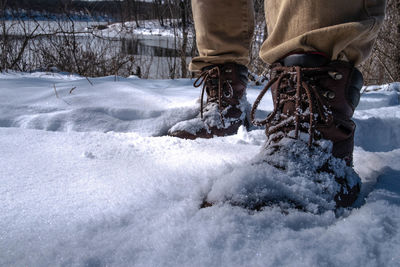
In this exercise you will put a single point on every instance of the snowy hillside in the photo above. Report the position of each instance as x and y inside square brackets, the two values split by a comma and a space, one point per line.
[87, 178]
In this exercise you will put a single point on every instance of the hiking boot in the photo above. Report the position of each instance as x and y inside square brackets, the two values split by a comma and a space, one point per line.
[226, 107]
[314, 100]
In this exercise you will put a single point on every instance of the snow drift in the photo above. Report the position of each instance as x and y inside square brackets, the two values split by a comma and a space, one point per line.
[89, 179]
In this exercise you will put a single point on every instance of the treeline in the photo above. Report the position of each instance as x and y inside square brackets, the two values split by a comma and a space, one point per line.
[90, 48]
[115, 10]
[383, 66]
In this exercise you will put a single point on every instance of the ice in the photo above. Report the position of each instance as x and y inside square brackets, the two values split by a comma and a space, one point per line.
[147, 28]
[88, 179]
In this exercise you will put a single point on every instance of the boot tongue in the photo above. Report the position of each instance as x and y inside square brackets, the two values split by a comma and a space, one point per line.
[309, 60]
[306, 60]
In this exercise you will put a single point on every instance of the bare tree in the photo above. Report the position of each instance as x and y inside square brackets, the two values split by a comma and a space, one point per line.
[384, 64]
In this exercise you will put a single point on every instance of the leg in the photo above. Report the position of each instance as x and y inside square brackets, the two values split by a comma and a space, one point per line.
[313, 46]
[342, 29]
[224, 30]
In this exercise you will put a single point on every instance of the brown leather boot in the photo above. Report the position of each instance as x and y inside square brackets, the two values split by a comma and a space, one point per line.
[226, 106]
[316, 98]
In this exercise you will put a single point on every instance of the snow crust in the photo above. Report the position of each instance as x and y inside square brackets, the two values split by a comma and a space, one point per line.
[89, 179]
[212, 118]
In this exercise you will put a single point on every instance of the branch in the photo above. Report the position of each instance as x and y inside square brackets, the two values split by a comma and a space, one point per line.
[384, 66]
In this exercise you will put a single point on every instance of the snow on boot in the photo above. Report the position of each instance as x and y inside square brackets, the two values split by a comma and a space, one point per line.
[292, 178]
[316, 98]
[226, 107]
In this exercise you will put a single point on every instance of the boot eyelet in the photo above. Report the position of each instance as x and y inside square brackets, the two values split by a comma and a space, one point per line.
[329, 94]
[227, 94]
[335, 75]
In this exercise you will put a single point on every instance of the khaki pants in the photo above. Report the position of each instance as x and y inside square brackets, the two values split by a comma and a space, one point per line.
[342, 29]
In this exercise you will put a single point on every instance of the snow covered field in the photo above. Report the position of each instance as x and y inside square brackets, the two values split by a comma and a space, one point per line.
[88, 178]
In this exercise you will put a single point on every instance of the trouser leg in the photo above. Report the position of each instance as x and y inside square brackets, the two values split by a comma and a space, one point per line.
[224, 29]
[342, 29]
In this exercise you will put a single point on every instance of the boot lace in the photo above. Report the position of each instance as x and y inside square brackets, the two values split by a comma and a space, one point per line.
[216, 93]
[296, 85]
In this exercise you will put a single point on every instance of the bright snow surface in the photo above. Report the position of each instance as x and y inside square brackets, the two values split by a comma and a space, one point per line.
[88, 178]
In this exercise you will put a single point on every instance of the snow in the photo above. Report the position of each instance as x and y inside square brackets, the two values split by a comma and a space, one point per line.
[89, 179]
[212, 118]
[146, 28]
